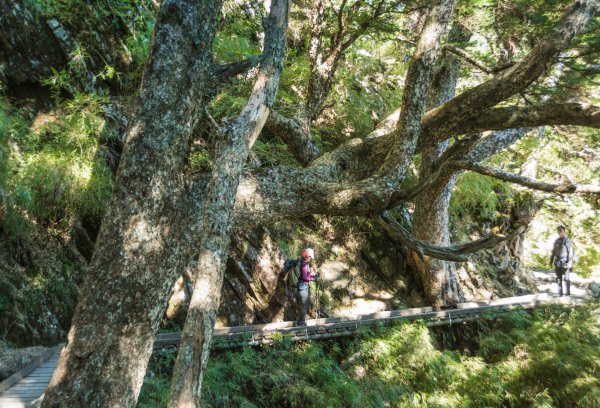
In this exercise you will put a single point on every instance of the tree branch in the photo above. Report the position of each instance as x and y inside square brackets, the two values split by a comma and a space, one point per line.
[340, 21]
[474, 61]
[223, 72]
[471, 103]
[455, 253]
[566, 187]
[531, 116]
[296, 136]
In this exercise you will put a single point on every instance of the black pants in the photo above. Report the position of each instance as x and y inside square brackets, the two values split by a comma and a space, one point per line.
[304, 295]
[563, 274]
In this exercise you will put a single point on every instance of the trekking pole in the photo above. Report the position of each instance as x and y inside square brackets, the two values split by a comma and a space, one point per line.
[318, 308]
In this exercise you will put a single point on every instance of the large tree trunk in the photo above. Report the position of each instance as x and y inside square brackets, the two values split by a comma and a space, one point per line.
[232, 153]
[138, 251]
[431, 224]
[431, 219]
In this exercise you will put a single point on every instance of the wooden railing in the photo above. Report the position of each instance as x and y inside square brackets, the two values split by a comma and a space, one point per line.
[254, 335]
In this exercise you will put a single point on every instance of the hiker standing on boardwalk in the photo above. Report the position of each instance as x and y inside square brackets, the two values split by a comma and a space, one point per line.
[562, 259]
[304, 283]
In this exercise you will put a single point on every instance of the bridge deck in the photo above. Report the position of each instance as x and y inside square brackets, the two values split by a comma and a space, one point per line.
[28, 385]
[26, 388]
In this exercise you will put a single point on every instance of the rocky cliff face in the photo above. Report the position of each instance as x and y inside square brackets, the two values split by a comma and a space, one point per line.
[39, 280]
[361, 272]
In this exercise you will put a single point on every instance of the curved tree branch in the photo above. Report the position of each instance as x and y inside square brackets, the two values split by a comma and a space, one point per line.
[530, 116]
[455, 253]
[296, 135]
[223, 72]
[474, 61]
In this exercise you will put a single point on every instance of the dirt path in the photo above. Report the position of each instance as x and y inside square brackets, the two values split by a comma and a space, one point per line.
[580, 287]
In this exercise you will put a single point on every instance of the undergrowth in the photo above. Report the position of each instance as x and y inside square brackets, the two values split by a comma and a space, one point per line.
[55, 174]
[548, 358]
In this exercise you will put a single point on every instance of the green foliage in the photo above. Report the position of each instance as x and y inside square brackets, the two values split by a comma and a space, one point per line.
[155, 392]
[476, 194]
[402, 367]
[12, 127]
[200, 161]
[273, 154]
[125, 25]
[284, 375]
[367, 90]
[61, 170]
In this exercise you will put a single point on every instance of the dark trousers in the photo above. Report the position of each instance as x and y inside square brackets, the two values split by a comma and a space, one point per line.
[563, 274]
[304, 295]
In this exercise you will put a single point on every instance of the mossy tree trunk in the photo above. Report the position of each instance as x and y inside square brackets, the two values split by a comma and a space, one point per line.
[431, 219]
[139, 244]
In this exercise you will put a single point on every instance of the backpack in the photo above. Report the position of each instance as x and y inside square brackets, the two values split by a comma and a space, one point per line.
[292, 272]
[560, 260]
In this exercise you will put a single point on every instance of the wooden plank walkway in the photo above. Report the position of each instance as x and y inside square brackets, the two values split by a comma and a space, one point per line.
[25, 389]
[254, 335]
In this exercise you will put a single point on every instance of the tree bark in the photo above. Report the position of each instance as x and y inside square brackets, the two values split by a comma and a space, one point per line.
[232, 152]
[430, 219]
[138, 250]
[532, 116]
[417, 85]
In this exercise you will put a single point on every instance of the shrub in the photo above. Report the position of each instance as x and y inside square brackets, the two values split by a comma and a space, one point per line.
[545, 359]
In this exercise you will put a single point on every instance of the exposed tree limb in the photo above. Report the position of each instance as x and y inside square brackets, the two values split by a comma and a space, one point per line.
[296, 134]
[223, 72]
[474, 61]
[531, 116]
[491, 144]
[471, 103]
[455, 253]
[566, 187]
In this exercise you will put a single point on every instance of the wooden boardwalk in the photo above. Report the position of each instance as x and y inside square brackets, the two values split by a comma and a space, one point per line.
[26, 388]
[262, 334]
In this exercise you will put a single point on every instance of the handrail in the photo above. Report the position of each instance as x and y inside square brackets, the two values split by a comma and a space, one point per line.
[254, 335]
